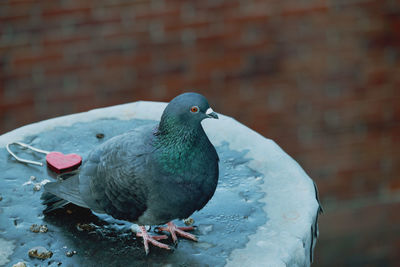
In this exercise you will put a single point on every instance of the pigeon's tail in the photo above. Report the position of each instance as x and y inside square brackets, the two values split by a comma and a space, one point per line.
[52, 202]
[64, 191]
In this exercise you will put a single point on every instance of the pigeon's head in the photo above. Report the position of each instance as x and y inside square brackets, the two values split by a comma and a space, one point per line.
[188, 108]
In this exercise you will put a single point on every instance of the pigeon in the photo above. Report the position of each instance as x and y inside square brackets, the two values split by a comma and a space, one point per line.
[150, 175]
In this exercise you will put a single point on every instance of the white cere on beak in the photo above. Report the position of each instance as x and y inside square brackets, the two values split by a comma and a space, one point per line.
[209, 111]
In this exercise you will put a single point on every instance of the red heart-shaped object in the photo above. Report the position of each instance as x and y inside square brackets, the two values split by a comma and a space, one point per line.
[58, 162]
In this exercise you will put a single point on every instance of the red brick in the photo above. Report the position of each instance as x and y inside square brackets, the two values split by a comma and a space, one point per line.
[212, 39]
[64, 98]
[26, 102]
[395, 185]
[13, 18]
[125, 4]
[133, 60]
[90, 21]
[299, 10]
[21, 2]
[194, 25]
[62, 70]
[223, 5]
[64, 41]
[37, 59]
[157, 15]
[240, 20]
[57, 12]
[228, 63]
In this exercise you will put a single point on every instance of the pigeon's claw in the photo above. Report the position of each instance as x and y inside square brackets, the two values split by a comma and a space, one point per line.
[174, 230]
[152, 239]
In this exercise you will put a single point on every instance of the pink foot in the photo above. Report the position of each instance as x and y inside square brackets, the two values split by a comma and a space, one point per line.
[174, 230]
[152, 239]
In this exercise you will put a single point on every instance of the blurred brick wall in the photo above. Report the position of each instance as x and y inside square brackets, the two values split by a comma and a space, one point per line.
[322, 78]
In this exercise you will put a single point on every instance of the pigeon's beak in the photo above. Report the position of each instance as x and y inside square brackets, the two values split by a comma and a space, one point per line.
[211, 114]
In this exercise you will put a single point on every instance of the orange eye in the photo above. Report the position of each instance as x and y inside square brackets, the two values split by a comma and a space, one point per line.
[194, 109]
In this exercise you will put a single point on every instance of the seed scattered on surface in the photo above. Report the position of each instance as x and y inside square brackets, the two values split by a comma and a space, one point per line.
[40, 253]
[39, 228]
[99, 135]
[189, 221]
[35, 228]
[37, 187]
[19, 264]
[85, 227]
[70, 253]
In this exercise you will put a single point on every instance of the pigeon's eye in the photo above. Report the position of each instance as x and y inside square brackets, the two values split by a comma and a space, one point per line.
[194, 109]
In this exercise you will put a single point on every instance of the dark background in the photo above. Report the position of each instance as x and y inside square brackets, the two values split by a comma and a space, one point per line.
[321, 78]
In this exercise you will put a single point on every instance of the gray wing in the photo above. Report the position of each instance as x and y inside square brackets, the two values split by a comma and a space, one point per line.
[61, 193]
[113, 179]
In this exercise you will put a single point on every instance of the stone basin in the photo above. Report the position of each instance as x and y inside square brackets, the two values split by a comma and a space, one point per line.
[264, 212]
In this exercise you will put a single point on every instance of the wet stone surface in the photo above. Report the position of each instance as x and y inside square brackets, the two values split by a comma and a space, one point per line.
[77, 237]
